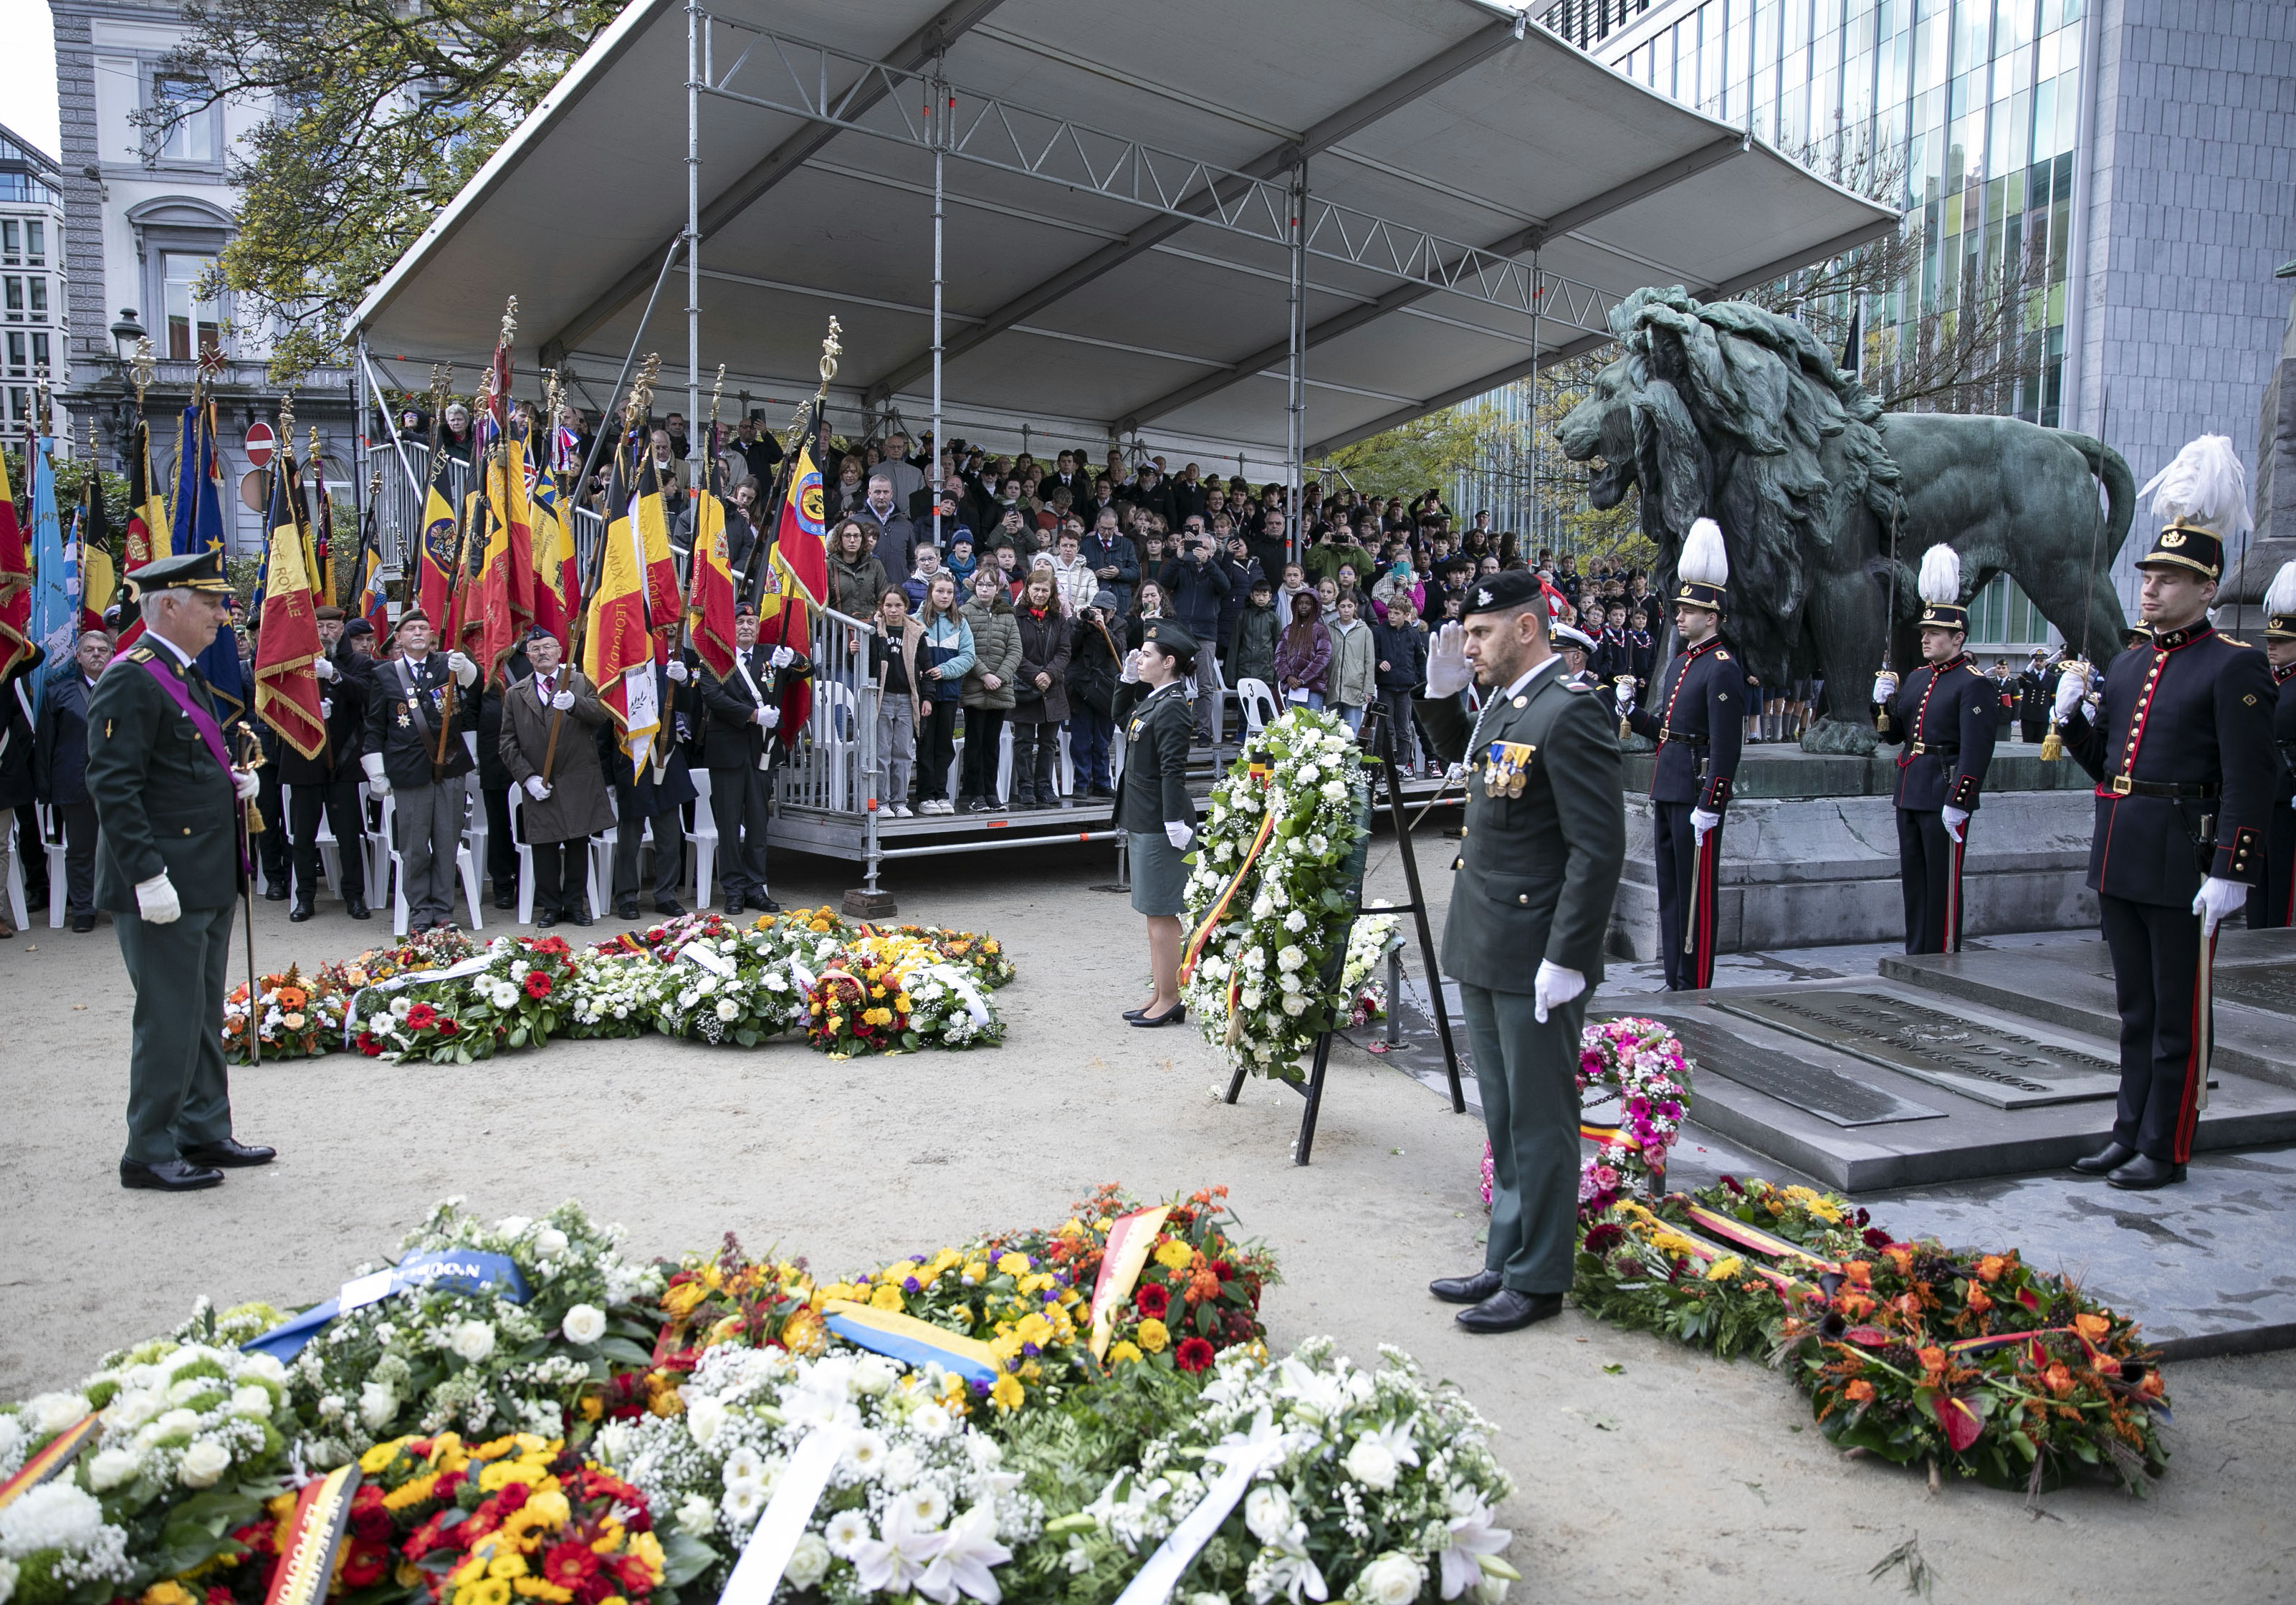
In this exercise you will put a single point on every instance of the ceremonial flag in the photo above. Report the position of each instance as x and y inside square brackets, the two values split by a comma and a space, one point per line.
[797, 579]
[651, 520]
[434, 575]
[374, 601]
[56, 573]
[147, 536]
[287, 645]
[323, 537]
[617, 652]
[506, 604]
[196, 520]
[97, 579]
[15, 582]
[709, 594]
[557, 571]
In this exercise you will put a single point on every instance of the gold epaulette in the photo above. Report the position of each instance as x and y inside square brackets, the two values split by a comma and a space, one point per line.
[2233, 640]
[138, 654]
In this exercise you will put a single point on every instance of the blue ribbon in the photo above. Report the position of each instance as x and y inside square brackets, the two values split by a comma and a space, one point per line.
[458, 1270]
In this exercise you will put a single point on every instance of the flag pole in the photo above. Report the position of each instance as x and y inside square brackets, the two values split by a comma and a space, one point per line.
[641, 397]
[709, 488]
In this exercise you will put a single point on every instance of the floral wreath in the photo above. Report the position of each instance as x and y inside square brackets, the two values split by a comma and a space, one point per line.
[1640, 1064]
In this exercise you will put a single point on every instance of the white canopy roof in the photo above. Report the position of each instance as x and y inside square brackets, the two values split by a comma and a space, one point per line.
[1442, 131]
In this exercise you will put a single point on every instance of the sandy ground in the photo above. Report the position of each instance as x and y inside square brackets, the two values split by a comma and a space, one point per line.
[1676, 1478]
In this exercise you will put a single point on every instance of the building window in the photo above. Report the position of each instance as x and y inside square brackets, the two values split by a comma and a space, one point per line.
[13, 297]
[18, 363]
[193, 138]
[37, 295]
[194, 326]
[11, 242]
[36, 243]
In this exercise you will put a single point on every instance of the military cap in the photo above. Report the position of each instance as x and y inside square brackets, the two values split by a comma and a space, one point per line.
[189, 572]
[1503, 592]
[2280, 605]
[357, 626]
[1567, 634]
[745, 610]
[1169, 634]
[328, 611]
[2186, 545]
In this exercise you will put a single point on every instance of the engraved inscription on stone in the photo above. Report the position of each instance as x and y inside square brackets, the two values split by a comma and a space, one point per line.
[2271, 987]
[1826, 1093]
[1987, 1063]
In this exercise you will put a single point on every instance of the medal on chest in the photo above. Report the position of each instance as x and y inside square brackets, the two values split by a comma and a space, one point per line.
[403, 720]
[1506, 766]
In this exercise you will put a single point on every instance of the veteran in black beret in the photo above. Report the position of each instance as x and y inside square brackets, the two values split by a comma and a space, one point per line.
[1152, 807]
[170, 863]
[2272, 904]
[1537, 869]
[2181, 749]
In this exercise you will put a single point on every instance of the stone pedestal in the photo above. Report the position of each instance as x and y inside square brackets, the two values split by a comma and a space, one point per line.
[1810, 853]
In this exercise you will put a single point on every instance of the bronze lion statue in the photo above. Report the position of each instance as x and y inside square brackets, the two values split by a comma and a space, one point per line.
[1737, 413]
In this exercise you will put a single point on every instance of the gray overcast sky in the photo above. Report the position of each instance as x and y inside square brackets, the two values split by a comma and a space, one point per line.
[28, 72]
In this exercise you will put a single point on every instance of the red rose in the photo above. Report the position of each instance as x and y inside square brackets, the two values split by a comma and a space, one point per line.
[512, 1498]
[1151, 1300]
[1194, 1354]
[421, 1017]
[369, 1520]
[537, 985]
[364, 1564]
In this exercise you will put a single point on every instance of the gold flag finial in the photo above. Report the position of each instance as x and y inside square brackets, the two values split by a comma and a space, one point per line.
[641, 400]
[510, 320]
[287, 423]
[439, 381]
[144, 364]
[716, 393]
[831, 349]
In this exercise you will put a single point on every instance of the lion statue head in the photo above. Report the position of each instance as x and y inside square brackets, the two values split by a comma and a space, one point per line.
[1732, 411]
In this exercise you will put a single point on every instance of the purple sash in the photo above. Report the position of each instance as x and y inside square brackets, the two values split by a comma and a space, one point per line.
[210, 732]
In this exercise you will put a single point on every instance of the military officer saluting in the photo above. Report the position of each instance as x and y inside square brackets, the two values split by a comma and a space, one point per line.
[1537, 870]
[2181, 749]
[1947, 714]
[1152, 807]
[169, 868]
[2272, 904]
[1697, 716]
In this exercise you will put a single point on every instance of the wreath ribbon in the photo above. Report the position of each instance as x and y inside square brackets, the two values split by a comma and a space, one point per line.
[1732, 1230]
[1196, 950]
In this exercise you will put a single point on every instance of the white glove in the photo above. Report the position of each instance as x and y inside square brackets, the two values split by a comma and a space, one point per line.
[464, 670]
[156, 900]
[322, 667]
[2070, 688]
[244, 784]
[1957, 821]
[1552, 987]
[1702, 820]
[326, 707]
[1178, 833]
[378, 784]
[537, 788]
[768, 719]
[1885, 686]
[1448, 673]
[2216, 899]
[782, 658]
[676, 670]
[1624, 696]
[563, 702]
[1131, 675]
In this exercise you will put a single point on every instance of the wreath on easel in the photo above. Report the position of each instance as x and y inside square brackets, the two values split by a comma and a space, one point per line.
[1639, 1066]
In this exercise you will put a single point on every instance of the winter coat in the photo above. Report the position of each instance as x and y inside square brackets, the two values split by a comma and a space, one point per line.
[1252, 646]
[1043, 650]
[1403, 648]
[1095, 666]
[1354, 664]
[884, 649]
[853, 587]
[996, 650]
[1192, 593]
[60, 743]
[1308, 668]
[948, 634]
[1118, 554]
[578, 804]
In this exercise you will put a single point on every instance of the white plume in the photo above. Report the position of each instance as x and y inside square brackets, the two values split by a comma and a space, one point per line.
[1705, 560]
[1941, 574]
[2204, 485]
[2280, 595]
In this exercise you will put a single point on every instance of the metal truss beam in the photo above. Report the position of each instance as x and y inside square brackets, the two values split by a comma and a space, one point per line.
[1529, 238]
[914, 52]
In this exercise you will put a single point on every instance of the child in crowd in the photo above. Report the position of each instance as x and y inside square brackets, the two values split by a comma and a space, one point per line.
[1295, 581]
[945, 656]
[962, 561]
[1355, 673]
[918, 583]
[893, 664]
[1250, 653]
[1401, 644]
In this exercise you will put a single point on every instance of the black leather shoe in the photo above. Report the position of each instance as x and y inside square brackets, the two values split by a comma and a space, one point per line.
[275, 893]
[2111, 1157]
[169, 1176]
[301, 913]
[732, 905]
[358, 910]
[83, 922]
[581, 919]
[671, 910]
[1507, 1311]
[626, 911]
[230, 1153]
[506, 899]
[764, 905]
[1135, 1013]
[1465, 1289]
[544, 922]
[1174, 1015]
[2144, 1173]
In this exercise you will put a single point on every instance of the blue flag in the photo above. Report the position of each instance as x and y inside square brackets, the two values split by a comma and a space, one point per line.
[56, 573]
[197, 521]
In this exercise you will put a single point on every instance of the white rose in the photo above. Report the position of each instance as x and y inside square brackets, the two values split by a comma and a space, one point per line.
[111, 1468]
[697, 1515]
[203, 1464]
[808, 1563]
[1393, 1580]
[252, 1403]
[377, 1404]
[1295, 922]
[585, 1324]
[613, 1442]
[474, 1340]
[704, 1415]
[727, 1008]
[7, 1580]
[50, 1414]
[175, 1423]
[550, 1242]
[513, 1225]
[1268, 1512]
[872, 1377]
[1371, 1463]
[1490, 1589]
[1294, 1005]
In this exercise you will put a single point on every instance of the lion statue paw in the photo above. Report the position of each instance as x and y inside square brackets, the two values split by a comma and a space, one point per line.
[1836, 736]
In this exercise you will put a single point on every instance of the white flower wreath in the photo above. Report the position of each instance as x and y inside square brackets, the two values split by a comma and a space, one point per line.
[1266, 981]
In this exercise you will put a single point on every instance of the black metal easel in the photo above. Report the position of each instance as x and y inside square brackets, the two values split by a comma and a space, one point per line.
[1312, 1089]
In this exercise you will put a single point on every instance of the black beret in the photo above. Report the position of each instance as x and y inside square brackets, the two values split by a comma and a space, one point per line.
[1502, 592]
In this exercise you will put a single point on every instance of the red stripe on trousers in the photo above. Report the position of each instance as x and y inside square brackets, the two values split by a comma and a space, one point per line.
[2188, 1110]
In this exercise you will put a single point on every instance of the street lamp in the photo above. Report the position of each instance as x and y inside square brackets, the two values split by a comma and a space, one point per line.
[125, 332]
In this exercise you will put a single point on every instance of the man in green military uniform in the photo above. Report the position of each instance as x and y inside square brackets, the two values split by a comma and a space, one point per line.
[168, 870]
[1546, 835]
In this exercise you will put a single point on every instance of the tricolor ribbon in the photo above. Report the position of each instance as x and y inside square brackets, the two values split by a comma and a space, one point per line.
[1731, 1229]
[914, 1343]
[307, 1560]
[1203, 933]
[50, 1458]
[462, 1270]
[1122, 1259]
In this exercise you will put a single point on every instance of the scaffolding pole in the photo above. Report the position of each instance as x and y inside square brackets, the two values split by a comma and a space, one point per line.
[1295, 410]
[694, 17]
[1537, 508]
[937, 131]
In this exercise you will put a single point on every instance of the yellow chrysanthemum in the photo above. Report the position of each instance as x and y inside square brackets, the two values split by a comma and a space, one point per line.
[166, 1594]
[1120, 1353]
[512, 1565]
[375, 1460]
[1014, 1264]
[486, 1590]
[1008, 1394]
[409, 1494]
[1724, 1268]
[551, 1508]
[1153, 1335]
[543, 1589]
[886, 1297]
[1174, 1255]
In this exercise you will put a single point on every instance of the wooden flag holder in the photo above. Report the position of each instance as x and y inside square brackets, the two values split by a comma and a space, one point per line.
[1312, 1089]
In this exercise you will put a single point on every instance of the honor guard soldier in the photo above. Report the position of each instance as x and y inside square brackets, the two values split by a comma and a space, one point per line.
[2272, 904]
[170, 866]
[2181, 751]
[1697, 716]
[1537, 870]
[1947, 714]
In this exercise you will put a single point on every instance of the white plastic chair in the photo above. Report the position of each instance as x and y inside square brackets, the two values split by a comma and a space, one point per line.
[525, 857]
[703, 837]
[376, 845]
[16, 879]
[1005, 762]
[465, 865]
[51, 842]
[1258, 700]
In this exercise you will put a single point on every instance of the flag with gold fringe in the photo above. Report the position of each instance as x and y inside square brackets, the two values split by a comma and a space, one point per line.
[617, 650]
[709, 594]
[287, 640]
